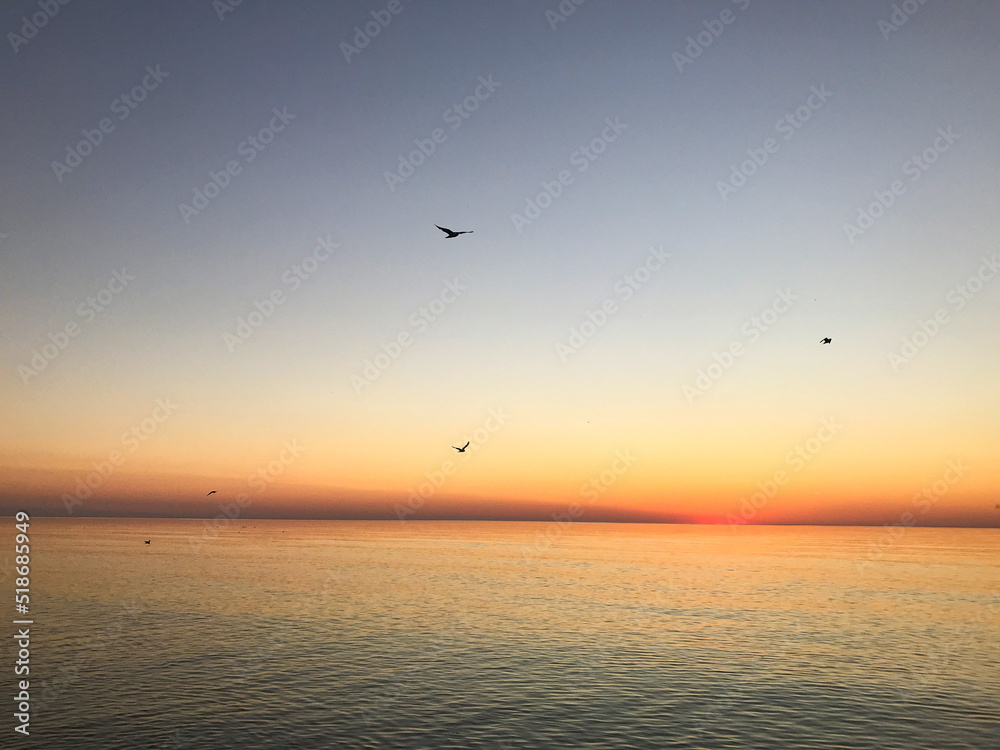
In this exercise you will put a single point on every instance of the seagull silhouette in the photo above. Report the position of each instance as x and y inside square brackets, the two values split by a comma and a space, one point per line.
[210, 493]
[462, 449]
[827, 340]
[148, 541]
[451, 233]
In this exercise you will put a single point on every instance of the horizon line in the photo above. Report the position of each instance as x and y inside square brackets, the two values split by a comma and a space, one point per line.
[500, 520]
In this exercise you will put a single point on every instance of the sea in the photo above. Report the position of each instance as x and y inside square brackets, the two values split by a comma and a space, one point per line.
[422, 634]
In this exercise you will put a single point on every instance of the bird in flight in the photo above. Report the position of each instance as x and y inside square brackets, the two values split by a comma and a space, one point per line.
[148, 541]
[210, 493]
[827, 340]
[451, 233]
[462, 449]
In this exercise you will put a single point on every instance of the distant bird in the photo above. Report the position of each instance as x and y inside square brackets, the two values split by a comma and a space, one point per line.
[148, 541]
[210, 493]
[451, 233]
[827, 340]
[462, 449]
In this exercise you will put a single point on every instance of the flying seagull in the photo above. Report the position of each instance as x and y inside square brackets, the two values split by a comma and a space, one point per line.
[451, 233]
[462, 449]
[210, 493]
[827, 340]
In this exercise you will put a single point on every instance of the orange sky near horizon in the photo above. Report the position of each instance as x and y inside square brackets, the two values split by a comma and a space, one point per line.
[615, 465]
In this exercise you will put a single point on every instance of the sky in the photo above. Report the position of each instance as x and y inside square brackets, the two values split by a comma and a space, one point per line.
[220, 270]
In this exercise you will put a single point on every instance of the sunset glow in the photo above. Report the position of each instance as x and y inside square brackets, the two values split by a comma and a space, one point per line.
[243, 287]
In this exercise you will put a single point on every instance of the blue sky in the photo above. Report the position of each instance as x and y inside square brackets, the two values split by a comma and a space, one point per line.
[887, 94]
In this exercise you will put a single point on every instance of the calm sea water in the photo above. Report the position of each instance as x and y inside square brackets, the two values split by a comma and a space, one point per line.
[490, 635]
